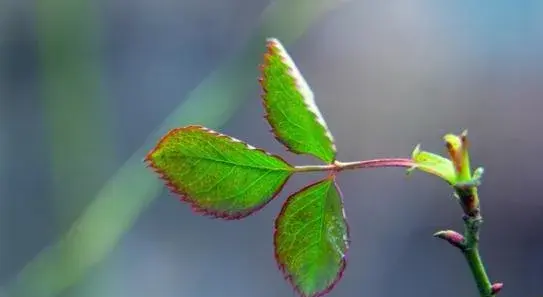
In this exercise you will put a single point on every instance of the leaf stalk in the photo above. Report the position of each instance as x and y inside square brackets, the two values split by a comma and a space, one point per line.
[338, 166]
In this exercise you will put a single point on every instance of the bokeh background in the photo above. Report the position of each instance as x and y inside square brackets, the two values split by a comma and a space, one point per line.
[87, 88]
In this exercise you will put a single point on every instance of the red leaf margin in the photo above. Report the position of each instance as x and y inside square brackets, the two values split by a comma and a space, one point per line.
[184, 197]
[343, 264]
[271, 49]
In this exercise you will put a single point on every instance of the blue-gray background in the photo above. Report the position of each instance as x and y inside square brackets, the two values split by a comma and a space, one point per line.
[387, 75]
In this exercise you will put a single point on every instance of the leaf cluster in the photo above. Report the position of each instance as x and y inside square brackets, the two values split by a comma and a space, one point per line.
[223, 177]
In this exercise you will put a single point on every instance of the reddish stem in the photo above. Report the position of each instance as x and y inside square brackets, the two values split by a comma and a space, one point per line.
[375, 163]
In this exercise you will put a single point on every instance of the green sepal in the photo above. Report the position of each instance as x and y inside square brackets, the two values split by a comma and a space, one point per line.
[433, 164]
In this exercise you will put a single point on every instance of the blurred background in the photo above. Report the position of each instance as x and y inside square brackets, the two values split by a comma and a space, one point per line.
[88, 87]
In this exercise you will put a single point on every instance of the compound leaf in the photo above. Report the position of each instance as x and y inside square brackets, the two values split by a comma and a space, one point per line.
[290, 106]
[311, 238]
[218, 175]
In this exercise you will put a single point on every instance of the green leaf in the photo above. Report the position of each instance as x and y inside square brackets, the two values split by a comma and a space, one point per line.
[311, 238]
[290, 106]
[218, 175]
[433, 164]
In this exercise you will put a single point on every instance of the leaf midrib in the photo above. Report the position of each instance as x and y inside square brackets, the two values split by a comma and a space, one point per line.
[287, 168]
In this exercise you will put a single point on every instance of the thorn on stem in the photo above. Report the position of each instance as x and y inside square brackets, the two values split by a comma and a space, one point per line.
[454, 238]
[496, 288]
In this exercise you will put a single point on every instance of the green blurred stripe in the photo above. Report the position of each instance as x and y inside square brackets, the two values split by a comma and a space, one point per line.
[77, 118]
[133, 187]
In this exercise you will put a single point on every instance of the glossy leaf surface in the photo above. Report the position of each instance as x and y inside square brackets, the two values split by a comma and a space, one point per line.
[219, 175]
[311, 238]
[290, 106]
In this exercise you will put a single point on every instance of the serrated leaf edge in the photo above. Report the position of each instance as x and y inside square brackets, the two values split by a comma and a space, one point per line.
[273, 44]
[343, 264]
[184, 197]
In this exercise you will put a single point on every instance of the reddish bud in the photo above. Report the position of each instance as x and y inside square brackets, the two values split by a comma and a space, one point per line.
[496, 288]
[452, 237]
